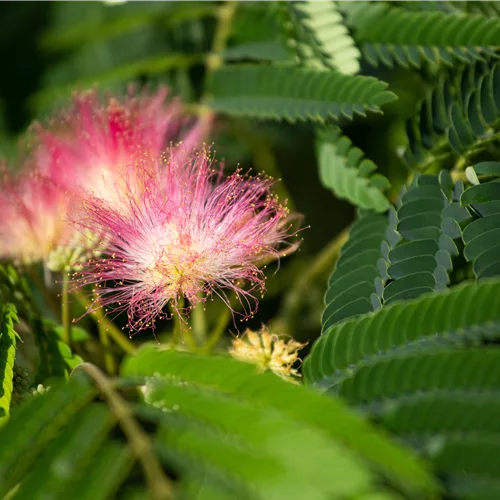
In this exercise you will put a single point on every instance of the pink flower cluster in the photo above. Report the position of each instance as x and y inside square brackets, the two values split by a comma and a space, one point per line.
[172, 225]
[86, 148]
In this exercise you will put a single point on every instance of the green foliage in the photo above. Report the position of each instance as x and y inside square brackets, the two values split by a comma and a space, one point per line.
[394, 36]
[429, 220]
[55, 358]
[356, 285]
[223, 429]
[433, 320]
[482, 236]
[8, 316]
[411, 366]
[320, 37]
[400, 255]
[59, 442]
[236, 379]
[343, 169]
[459, 117]
[267, 92]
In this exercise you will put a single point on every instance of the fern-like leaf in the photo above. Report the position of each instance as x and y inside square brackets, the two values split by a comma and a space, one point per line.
[230, 377]
[74, 447]
[343, 169]
[268, 92]
[320, 26]
[462, 315]
[357, 283]
[449, 414]
[395, 36]
[35, 424]
[429, 220]
[459, 116]
[8, 316]
[482, 236]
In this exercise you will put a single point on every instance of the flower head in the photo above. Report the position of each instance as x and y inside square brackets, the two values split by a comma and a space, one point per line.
[268, 351]
[191, 232]
[89, 146]
[86, 148]
[31, 217]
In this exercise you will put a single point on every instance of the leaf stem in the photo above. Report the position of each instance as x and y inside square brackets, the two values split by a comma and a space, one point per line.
[109, 360]
[218, 330]
[65, 309]
[199, 323]
[105, 324]
[159, 485]
[224, 17]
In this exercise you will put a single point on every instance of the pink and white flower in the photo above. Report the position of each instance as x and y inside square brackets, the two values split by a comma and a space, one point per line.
[190, 234]
[31, 217]
[89, 146]
[86, 148]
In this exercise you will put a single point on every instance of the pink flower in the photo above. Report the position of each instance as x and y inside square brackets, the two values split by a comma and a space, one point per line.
[31, 217]
[192, 232]
[88, 147]
[91, 144]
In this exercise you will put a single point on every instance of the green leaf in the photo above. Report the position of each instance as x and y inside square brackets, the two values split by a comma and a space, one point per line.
[102, 476]
[266, 92]
[355, 286]
[462, 315]
[267, 434]
[482, 236]
[340, 164]
[429, 221]
[56, 358]
[36, 423]
[78, 334]
[395, 36]
[267, 50]
[144, 67]
[459, 116]
[320, 26]
[8, 316]
[65, 458]
[449, 414]
[267, 391]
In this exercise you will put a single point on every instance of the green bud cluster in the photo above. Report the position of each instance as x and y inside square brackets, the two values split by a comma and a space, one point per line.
[21, 380]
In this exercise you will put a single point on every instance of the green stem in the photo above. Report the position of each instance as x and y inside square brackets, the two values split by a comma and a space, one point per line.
[222, 31]
[65, 309]
[159, 485]
[199, 323]
[218, 330]
[182, 330]
[109, 360]
[177, 319]
[105, 324]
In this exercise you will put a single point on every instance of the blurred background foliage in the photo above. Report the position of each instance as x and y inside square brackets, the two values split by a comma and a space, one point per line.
[51, 48]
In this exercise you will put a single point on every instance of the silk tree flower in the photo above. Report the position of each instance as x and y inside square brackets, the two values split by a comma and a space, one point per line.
[85, 148]
[192, 233]
[31, 217]
[88, 146]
